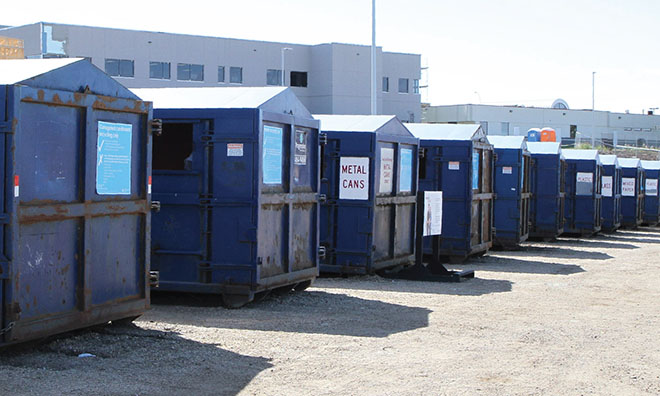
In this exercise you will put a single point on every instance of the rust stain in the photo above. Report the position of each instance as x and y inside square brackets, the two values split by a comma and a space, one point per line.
[41, 94]
[56, 99]
[34, 301]
[27, 288]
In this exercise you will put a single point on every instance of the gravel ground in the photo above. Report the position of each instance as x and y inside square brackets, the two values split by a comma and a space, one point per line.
[571, 317]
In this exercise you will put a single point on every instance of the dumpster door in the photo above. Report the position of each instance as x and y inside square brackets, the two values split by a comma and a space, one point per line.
[5, 127]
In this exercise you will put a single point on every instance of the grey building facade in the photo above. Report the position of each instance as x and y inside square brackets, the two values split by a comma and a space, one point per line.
[328, 78]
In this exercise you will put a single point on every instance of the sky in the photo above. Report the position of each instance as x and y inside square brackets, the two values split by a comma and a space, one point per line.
[500, 52]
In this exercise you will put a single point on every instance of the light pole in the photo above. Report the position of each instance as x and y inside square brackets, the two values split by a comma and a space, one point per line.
[374, 84]
[282, 70]
[593, 108]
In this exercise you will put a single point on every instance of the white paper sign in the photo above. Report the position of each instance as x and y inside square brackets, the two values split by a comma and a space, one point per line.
[652, 187]
[606, 189]
[386, 170]
[628, 187]
[507, 170]
[454, 165]
[585, 177]
[354, 178]
[432, 213]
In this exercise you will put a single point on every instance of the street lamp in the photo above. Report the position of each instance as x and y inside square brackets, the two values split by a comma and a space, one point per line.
[593, 107]
[282, 70]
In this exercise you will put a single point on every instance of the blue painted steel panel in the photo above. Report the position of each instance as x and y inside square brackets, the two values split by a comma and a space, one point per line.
[611, 196]
[372, 228]
[547, 201]
[582, 210]
[651, 195]
[452, 164]
[512, 202]
[70, 258]
[239, 197]
[632, 192]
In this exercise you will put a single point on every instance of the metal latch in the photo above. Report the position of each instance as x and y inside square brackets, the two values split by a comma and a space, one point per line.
[322, 252]
[154, 278]
[156, 126]
[323, 138]
[155, 206]
[421, 152]
[323, 198]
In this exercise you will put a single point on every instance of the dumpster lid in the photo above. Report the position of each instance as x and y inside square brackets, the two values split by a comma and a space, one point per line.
[608, 159]
[508, 142]
[630, 162]
[273, 99]
[580, 154]
[387, 124]
[544, 147]
[446, 131]
[66, 74]
[651, 165]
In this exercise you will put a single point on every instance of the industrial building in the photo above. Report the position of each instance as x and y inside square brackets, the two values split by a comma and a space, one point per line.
[328, 78]
[605, 127]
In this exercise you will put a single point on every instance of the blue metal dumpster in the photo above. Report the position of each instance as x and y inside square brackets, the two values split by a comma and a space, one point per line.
[458, 160]
[651, 200]
[582, 211]
[632, 192]
[76, 210]
[236, 175]
[512, 190]
[611, 193]
[547, 186]
[369, 176]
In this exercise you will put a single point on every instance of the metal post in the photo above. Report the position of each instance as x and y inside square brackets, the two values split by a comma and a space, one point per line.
[282, 80]
[593, 108]
[374, 85]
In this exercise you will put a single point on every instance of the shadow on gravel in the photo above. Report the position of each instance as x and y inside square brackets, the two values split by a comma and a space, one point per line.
[632, 238]
[506, 264]
[594, 244]
[128, 360]
[311, 311]
[561, 252]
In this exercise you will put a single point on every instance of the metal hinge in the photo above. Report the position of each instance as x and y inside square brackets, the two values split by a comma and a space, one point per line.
[322, 252]
[323, 198]
[155, 206]
[156, 126]
[421, 152]
[154, 278]
[8, 328]
[323, 138]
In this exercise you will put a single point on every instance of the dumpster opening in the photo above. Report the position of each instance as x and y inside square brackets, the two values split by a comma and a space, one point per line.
[173, 147]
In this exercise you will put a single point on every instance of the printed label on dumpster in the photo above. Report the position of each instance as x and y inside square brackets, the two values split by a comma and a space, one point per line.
[386, 170]
[651, 187]
[454, 165]
[606, 188]
[113, 158]
[272, 155]
[234, 149]
[405, 170]
[507, 170]
[432, 213]
[476, 165]
[584, 183]
[354, 178]
[300, 157]
[628, 187]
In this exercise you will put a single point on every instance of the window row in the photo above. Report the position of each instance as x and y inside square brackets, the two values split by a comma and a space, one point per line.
[194, 72]
[404, 85]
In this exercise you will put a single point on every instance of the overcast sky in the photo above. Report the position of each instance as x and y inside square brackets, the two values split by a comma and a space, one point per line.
[526, 52]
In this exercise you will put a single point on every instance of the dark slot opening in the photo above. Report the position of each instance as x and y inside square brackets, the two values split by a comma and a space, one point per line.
[173, 148]
[422, 165]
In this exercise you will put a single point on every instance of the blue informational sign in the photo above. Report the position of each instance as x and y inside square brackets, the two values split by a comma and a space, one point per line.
[476, 165]
[405, 170]
[272, 155]
[113, 158]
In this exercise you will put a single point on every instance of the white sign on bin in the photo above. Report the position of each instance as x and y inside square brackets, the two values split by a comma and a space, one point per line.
[652, 187]
[628, 187]
[386, 170]
[354, 178]
[432, 213]
[607, 186]
[585, 183]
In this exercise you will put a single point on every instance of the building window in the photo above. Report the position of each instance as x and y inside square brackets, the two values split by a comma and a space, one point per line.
[119, 67]
[273, 77]
[236, 75]
[573, 131]
[221, 74]
[386, 84]
[159, 70]
[415, 86]
[189, 72]
[298, 79]
[505, 128]
[403, 85]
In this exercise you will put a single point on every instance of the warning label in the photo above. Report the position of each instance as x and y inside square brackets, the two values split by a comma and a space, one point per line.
[234, 149]
[354, 178]
[454, 165]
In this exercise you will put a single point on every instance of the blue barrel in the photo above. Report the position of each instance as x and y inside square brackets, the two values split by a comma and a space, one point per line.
[534, 135]
[632, 192]
[547, 186]
[236, 172]
[458, 160]
[76, 208]
[582, 210]
[611, 193]
[369, 178]
[651, 201]
[512, 190]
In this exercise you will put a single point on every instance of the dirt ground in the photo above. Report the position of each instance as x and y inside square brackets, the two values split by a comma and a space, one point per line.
[572, 317]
